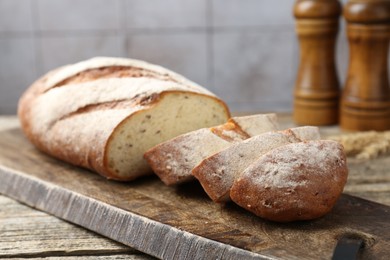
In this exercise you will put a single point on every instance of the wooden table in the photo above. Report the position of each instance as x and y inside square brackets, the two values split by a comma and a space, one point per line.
[28, 233]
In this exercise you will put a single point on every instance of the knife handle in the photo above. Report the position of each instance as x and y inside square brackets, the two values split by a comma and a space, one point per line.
[365, 103]
[316, 93]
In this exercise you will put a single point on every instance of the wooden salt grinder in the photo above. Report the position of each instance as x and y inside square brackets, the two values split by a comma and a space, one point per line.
[317, 89]
[365, 103]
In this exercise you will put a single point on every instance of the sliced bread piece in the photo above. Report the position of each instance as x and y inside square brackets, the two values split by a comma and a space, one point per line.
[174, 159]
[297, 181]
[217, 172]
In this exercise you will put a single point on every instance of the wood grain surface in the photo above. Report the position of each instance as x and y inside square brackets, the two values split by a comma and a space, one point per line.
[52, 237]
[178, 222]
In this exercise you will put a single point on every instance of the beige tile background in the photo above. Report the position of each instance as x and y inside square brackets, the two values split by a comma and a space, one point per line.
[244, 50]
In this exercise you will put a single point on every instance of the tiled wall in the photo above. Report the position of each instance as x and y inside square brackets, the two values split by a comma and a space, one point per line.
[244, 50]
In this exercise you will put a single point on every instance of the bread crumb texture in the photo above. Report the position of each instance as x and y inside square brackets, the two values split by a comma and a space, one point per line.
[174, 114]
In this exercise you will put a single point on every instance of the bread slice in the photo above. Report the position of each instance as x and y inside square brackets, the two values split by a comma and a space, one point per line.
[173, 160]
[217, 172]
[104, 113]
[256, 124]
[297, 181]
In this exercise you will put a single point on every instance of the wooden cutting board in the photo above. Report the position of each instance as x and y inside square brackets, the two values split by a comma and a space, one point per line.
[181, 222]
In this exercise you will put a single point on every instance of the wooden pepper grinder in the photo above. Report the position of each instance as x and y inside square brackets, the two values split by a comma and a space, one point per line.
[365, 103]
[317, 89]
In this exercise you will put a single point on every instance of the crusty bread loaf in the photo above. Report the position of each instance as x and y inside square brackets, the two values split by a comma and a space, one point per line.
[217, 172]
[297, 181]
[104, 113]
[174, 159]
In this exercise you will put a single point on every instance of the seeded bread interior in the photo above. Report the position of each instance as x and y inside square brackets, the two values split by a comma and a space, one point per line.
[173, 115]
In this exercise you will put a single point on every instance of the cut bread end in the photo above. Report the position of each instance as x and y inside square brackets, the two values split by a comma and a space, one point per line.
[175, 113]
[306, 132]
[256, 124]
[172, 161]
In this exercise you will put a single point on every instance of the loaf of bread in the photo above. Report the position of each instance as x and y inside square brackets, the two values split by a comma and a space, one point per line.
[174, 159]
[217, 172]
[104, 113]
[297, 181]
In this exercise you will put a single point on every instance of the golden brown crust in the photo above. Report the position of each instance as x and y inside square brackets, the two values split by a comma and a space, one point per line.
[211, 175]
[174, 160]
[230, 126]
[298, 181]
[113, 72]
[80, 133]
[39, 87]
[26, 102]
[218, 172]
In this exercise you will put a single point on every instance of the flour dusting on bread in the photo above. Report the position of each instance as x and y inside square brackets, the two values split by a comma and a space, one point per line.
[99, 115]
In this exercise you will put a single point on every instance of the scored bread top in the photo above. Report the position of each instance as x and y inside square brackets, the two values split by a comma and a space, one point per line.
[105, 67]
[69, 71]
[54, 105]
[72, 112]
[47, 101]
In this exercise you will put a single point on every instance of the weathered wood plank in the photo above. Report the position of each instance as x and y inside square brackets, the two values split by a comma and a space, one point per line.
[27, 233]
[142, 233]
[93, 257]
[178, 222]
[370, 179]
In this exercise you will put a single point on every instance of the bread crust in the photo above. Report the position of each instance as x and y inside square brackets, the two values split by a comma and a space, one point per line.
[217, 172]
[73, 118]
[298, 181]
[230, 127]
[173, 160]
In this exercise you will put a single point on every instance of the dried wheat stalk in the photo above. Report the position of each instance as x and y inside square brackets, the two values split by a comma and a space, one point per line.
[364, 145]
